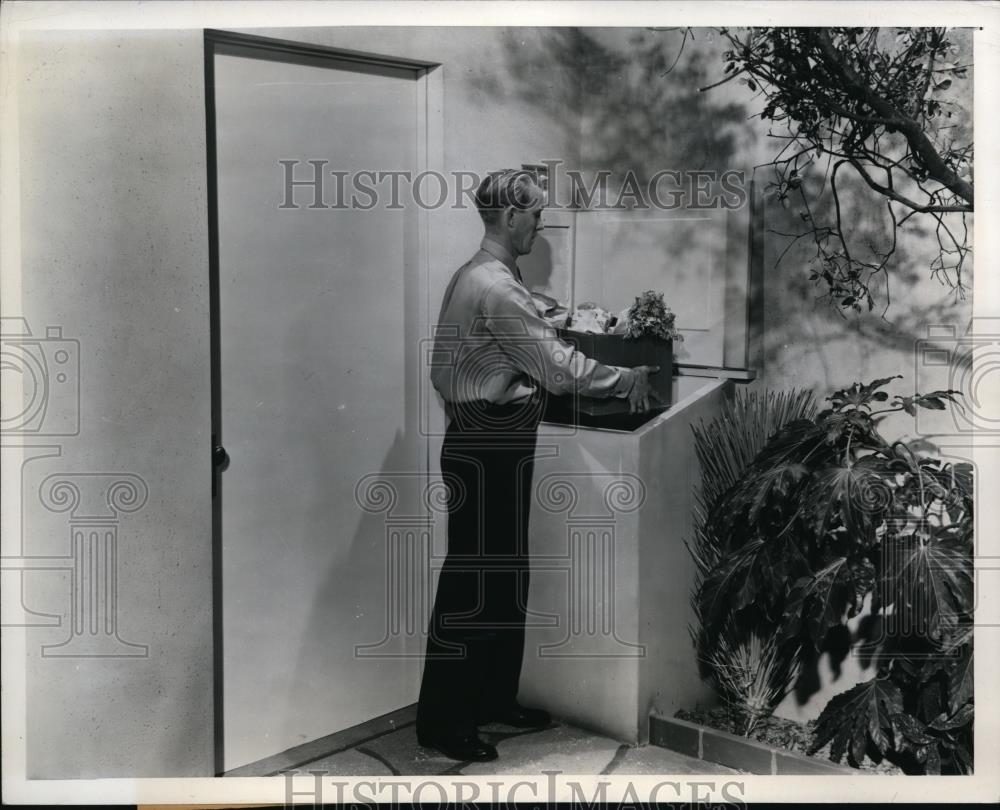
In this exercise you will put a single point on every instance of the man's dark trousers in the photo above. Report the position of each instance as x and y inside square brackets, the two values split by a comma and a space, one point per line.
[475, 643]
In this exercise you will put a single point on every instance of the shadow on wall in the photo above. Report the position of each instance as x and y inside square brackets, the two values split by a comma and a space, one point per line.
[538, 272]
[344, 598]
[810, 343]
[615, 90]
[352, 607]
[632, 99]
[807, 342]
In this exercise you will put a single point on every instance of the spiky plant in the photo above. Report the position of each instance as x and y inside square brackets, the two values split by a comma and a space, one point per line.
[729, 443]
[726, 447]
[751, 672]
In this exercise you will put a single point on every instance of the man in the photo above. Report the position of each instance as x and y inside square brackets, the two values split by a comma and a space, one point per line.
[494, 360]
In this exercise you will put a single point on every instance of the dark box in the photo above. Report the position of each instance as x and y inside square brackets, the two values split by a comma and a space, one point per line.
[614, 350]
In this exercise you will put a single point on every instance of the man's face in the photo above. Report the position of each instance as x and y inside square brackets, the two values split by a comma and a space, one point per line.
[525, 224]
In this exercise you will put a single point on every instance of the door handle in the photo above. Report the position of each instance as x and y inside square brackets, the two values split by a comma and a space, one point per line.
[220, 458]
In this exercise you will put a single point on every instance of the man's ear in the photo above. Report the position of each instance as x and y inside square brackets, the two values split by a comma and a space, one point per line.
[508, 216]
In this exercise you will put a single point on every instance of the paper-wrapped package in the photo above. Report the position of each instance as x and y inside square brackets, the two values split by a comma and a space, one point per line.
[589, 318]
[620, 326]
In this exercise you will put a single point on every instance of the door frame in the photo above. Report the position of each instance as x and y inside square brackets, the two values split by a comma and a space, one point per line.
[430, 157]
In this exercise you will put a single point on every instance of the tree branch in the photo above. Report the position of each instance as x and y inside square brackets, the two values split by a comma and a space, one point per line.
[910, 129]
[897, 197]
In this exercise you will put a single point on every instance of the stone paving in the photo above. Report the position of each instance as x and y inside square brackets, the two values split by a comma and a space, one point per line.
[559, 747]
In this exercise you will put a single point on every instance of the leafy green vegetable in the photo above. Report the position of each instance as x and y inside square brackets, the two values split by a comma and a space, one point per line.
[649, 316]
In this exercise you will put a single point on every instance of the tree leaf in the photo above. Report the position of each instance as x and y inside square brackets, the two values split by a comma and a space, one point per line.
[821, 601]
[929, 581]
[755, 574]
[909, 734]
[811, 602]
[848, 719]
[851, 495]
[932, 760]
[962, 473]
[877, 734]
[728, 587]
[776, 467]
[962, 717]
[963, 758]
[960, 682]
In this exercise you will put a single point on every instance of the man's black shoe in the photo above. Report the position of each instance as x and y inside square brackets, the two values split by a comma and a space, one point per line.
[468, 748]
[519, 717]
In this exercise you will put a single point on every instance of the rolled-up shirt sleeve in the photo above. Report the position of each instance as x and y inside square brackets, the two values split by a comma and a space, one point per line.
[532, 345]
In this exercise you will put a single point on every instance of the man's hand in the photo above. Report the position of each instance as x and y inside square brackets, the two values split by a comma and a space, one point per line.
[641, 393]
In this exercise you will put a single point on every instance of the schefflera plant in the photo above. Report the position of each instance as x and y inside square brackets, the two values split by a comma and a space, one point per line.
[830, 516]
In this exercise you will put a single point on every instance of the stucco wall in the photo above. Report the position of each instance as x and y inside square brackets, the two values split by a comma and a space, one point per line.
[115, 251]
[668, 677]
